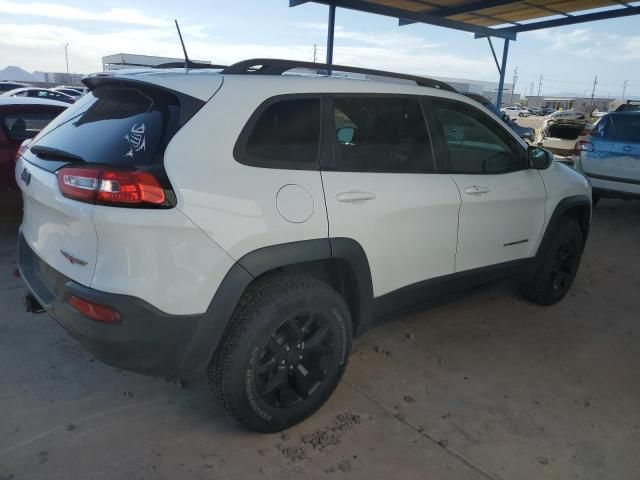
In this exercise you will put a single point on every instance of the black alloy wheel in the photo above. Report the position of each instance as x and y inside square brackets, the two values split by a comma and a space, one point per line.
[285, 351]
[556, 265]
[295, 360]
[565, 264]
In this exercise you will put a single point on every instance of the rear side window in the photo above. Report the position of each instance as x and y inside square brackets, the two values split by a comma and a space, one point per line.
[117, 126]
[623, 128]
[283, 133]
[20, 126]
[476, 143]
[380, 134]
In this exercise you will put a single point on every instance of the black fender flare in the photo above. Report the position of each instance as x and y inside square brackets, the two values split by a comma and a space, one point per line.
[561, 208]
[215, 320]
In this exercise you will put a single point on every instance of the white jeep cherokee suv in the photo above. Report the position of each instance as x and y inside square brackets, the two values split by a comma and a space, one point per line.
[245, 222]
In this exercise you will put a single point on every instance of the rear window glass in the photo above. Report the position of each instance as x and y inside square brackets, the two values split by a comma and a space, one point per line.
[623, 128]
[20, 126]
[116, 125]
[286, 134]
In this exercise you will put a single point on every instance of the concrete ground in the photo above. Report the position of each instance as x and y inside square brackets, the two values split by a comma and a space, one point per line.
[486, 387]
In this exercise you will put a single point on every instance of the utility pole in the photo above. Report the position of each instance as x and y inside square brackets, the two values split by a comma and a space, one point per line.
[531, 89]
[540, 85]
[593, 92]
[515, 79]
[624, 88]
[315, 53]
[66, 55]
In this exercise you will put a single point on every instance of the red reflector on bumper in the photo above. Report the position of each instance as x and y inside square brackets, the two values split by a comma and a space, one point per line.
[94, 311]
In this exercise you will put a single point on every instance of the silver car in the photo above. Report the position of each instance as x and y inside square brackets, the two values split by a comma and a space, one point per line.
[610, 156]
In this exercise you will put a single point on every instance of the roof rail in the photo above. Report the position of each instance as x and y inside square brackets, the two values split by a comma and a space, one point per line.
[271, 66]
[190, 64]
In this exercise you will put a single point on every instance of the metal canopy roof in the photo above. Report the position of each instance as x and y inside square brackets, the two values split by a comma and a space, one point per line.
[495, 18]
[485, 18]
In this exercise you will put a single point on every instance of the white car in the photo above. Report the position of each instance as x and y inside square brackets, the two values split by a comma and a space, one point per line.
[560, 131]
[74, 92]
[246, 222]
[515, 112]
[42, 93]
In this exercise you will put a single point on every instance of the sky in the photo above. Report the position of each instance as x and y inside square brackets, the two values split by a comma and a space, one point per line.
[33, 35]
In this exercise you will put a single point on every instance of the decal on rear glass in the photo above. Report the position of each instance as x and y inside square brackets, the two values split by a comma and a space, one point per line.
[136, 139]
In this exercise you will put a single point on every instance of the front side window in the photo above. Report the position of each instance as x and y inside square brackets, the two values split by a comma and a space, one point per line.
[476, 143]
[285, 134]
[380, 134]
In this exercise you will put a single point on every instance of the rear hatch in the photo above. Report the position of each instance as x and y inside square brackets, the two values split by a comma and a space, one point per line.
[121, 127]
[613, 148]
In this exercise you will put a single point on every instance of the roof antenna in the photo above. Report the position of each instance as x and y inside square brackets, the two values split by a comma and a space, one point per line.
[184, 49]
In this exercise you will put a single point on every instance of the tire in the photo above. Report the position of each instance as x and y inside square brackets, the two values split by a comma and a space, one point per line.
[556, 269]
[284, 353]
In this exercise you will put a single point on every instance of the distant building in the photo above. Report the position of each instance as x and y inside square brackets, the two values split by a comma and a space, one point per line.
[489, 90]
[59, 78]
[121, 61]
[580, 104]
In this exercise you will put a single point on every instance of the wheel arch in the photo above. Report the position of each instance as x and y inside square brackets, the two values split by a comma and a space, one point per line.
[577, 207]
[339, 262]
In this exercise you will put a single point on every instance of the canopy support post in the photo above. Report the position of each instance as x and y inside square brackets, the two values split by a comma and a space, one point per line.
[503, 70]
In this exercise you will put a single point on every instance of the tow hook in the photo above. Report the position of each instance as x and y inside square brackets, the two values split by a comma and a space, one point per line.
[32, 305]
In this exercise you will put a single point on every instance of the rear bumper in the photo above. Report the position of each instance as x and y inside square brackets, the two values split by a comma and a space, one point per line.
[614, 187]
[146, 340]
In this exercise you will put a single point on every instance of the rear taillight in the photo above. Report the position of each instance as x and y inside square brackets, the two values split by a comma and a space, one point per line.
[110, 187]
[95, 311]
[23, 148]
[583, 146]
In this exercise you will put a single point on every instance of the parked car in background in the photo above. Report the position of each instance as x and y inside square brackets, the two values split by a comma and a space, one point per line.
[42, 93]
[548, 110]
[6, 85]
[610, 156]
[71, 91]
[537, 111]
[331, 202]
[20, 119]
[560, 131]
[515, 112]
[630, 106]
[526, 133]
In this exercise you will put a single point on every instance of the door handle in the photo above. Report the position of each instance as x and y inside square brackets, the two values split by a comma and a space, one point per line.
[355, 197]
[476, 190]
[627, 148]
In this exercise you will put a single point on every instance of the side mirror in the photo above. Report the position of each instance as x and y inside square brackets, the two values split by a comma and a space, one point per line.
[539, 158]
[345, 134]
[506, 118]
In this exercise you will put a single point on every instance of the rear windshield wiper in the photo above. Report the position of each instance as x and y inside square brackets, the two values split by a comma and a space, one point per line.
[50, 153]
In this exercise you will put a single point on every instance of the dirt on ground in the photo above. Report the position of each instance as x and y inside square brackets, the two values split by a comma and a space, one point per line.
[484, 386]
